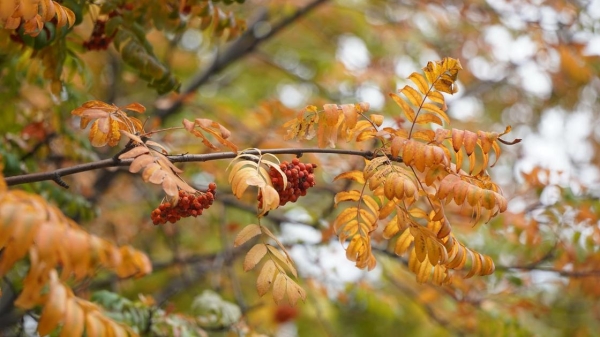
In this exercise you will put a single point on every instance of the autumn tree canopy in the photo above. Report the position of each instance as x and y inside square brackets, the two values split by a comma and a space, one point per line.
[299, 167]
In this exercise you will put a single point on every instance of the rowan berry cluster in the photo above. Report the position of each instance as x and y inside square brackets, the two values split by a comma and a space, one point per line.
[98, 40]
[188, 205]
[300, 177]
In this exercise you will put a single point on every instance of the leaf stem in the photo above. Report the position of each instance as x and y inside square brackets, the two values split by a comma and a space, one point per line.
[421, 106]
[422, 188]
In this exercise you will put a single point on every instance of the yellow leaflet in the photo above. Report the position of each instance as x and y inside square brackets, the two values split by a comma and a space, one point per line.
[371, 204]
[475, 264]
[437, 97]
[408, 111]
[265, 278]
[420, 82]
[376, 119]
[365, 135]
[357, 176]
[403, 242]
[294, 292]
[279, 288]
[423, 271]
[254, 255]
[246, 234]
[282, 258]
[428, 118]
[414, 97]
[433, 250]
[436, 110]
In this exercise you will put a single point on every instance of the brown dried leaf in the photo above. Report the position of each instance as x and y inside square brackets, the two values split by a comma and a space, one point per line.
[150, 170]
[169, 185]
[140, 162]
[136, 107]
[136, 151]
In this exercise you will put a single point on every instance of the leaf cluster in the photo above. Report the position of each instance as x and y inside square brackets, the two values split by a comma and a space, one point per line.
[273, 271]
[34, 230]
[31, 15]
[417, 172]
[252, 170]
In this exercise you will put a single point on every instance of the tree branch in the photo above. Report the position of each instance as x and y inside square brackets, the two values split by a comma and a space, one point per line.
[184, 158]
[244, 45]
[564, 273]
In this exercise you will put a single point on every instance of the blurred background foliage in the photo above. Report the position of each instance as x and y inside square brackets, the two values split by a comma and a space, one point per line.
[532, 64]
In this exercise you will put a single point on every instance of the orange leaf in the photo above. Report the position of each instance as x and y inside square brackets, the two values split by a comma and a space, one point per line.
[136, 107]
[55, 306]
[73, 323]
[350, 115]
[408, 111]
[470, 141]
[136, 151]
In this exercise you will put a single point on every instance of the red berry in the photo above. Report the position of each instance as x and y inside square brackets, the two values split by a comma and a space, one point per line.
[212, 186]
